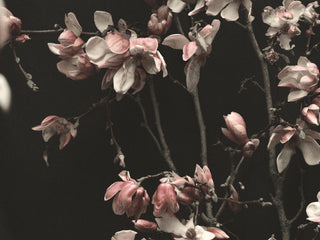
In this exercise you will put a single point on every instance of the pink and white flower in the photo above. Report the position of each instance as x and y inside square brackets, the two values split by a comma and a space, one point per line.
[70, 41]
[313, 210]
[129, 197]
[237, 133]
[302, 138]
[54, 125]
[229, 8]
[196, 50]
[77, 67]
[301, 79]
[283, 21]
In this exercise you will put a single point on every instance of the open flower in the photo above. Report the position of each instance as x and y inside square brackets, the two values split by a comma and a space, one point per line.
[70, 41]
[230, 8]
[54, 125]
[196, 50]
[160, 21]
[129, 198]
[77, 67]
[283, 21]
[302, 138]
[237, 133]
[302, 79]
[164, 200]
[313, 210]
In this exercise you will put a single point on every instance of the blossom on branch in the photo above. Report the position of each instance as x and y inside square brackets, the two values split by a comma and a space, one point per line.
[302, 138]
[196, 50]
[283, 21]
[54, 125]
[313, 210]
[70, 41]
[129, 197]
[301, 79]
[237, 133]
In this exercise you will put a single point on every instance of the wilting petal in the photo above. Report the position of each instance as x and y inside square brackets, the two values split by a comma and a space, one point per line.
[284, 157]
[175, 41]
[124, 77]
[124, 235]
[231, 12]
[163, 64]
[164, 200]
[72, 23]
[310, 150]
[198, 8]
[215, 6]
[213, 31]
[102, 20]
[285, 40]
[5, 93]
[123, 199]
[113, 190]
[117, 43]
[64, 140]
[296, 94]
[188, 50]
[107, 78]
[192, 71]
[176, 5]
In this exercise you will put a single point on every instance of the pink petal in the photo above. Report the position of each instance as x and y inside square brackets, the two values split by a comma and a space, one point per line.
[229, 135]
[163, 64]
[218, 233]
[148, 44]
[175, 41]
[287, 136]
[113, 190]
[188, 50]
[284, 157]
[123, 199]
[64, 140]
[72, 24]
[102, 20]
[145, 225]
[117, 43]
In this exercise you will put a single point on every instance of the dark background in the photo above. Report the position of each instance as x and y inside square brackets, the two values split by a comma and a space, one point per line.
[65, 201]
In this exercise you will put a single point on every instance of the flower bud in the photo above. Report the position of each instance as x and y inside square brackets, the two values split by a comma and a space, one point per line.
[160, 22]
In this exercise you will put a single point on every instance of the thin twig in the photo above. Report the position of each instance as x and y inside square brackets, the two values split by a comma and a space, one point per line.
[161, 174]
[260, 202]
[165, 148]
[58, 30]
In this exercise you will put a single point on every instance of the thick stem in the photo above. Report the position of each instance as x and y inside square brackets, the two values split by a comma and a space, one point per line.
[278, 181]
[202, 127]
[166, 151]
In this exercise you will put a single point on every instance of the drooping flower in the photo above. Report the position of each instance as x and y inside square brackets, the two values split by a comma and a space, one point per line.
[124, 235]
[129, 198]
[145, 225]
[230, 8]
[164, 200]
[311, 114]
[70, 41]
[237, 133]
[54, 125]
[77, 67]
[283, 21]
[196, 50]
[302, 79]
[160, 21]
[5, 94]
[313, 210]
[302, 138]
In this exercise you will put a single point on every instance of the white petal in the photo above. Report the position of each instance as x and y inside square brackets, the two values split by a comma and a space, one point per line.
[284, 157]
[215, 6]
[199, 6]
[303, 61]
[310, 150]
[170, 223]
[72, 24]
[231, 12]
[313, 209]
[295, 95]
[192, 74]
[102, 20]
[175, 41]
[5, 94]
[124, 235]
[285, 40]
[124, 78]
[176, 5]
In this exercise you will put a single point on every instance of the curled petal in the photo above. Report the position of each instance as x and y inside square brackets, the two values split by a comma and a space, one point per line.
[5, 93]
[117, 43]
[176, 5]
[113, 190]
[231, 12]
[175, 41]
[102, 20]
[72, 23]
[188, 50]
[124, 235]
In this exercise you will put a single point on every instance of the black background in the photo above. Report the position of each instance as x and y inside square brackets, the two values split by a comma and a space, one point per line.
[65, 201]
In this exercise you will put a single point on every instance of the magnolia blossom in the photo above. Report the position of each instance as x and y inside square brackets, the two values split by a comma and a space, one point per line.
[124, 235]
[145, 225]
[171, 224]
[196, 50]
[302, 138]
[230, 8]
[310, 15]
[311, 114]
[164, 200]
[237, 133]
[160, 21]
[313, 210]
[129, 198]
[302, 79]
[203, 177]
[5, 94]
[283, 21]
[54, 125]
[77, 67]
[70, 41]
